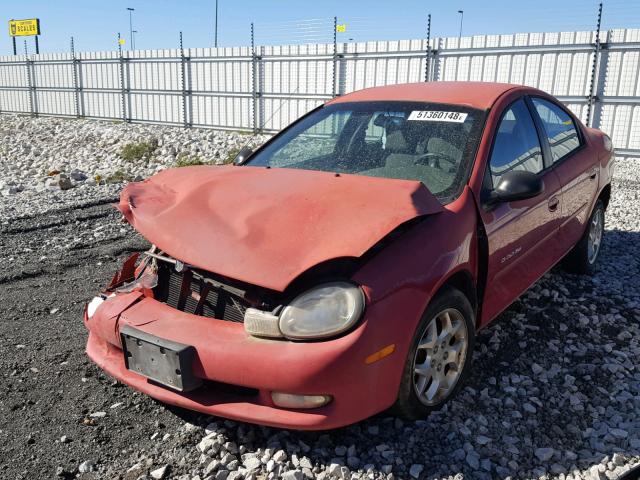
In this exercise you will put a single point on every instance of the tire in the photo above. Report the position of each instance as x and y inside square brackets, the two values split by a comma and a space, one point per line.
[454, 304]
[582, 259]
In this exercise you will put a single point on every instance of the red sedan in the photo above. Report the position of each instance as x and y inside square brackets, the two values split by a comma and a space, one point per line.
[345, 266]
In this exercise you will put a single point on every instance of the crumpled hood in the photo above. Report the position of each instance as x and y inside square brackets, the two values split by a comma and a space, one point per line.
[267, 226]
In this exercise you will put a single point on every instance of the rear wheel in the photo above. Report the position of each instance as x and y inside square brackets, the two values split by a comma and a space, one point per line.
[440, 356]
[582, 259]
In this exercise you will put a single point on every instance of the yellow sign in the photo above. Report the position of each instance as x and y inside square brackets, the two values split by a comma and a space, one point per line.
[341, 28]
[23, 28]
[121, 41]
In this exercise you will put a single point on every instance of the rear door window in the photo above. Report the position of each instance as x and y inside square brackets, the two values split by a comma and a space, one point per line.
[516, 146]
[559, 127]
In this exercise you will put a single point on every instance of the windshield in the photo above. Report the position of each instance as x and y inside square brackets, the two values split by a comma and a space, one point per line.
[432, 143]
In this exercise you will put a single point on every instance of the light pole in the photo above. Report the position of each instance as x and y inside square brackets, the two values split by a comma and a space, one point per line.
[215, 38]
[131, 10]
[461, 12]
[133, 43]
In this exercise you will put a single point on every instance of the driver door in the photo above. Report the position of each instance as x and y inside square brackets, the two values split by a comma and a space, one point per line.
[522, 235]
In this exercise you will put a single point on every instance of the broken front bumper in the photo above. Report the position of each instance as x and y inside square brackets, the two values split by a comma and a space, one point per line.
[239, 372]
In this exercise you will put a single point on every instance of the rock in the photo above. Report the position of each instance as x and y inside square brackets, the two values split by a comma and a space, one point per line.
[64, 439]
[61, 181]
[618, 460]
[353, 462]
[334, 470]
[160, 473]
[222, 475]
[292, 475]
[473, 460]
[78, 176]
[98, 414]
[619, 433]
[544, 454]
[86, 466]
[415, 470]
[252, 463]
[280, 456]
[482, 440]
[595, 473]
[211, 467]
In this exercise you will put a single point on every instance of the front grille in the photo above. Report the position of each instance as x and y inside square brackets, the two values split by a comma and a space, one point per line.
[188, 292]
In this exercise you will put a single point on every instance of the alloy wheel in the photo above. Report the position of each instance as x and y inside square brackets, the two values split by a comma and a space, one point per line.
[440, 357]
[596, 228]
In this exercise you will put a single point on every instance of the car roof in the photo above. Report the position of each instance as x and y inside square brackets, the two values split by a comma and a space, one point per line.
[480, 95]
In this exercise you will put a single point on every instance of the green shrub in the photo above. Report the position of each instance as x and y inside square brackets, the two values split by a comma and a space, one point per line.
[137, 151]
[185, 160]
[118, 177]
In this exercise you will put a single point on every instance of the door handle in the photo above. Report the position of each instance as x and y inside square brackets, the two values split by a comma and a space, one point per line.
[553, 204]
[593, 174]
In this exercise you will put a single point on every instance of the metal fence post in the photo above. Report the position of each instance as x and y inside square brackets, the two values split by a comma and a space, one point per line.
[335, 55]
[31, 81]
[185, 79]
[77, 85]
[428, 53]
[342, 70]
[435, 62]
[123, 90]
[254, 89]
[594, 70]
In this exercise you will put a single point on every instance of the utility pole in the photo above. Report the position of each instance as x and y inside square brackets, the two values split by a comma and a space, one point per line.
[131, 10]
[461, 12]
[215, 38]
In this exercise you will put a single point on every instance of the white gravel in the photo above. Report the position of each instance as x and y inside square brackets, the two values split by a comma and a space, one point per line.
[32, 150]
[556, 385]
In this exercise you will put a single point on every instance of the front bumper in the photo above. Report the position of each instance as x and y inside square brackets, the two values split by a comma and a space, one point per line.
[227, 356]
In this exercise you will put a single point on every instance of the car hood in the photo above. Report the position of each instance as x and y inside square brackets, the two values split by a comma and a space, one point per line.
[266, 226]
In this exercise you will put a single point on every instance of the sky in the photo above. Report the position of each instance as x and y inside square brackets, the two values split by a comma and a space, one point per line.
[94, 24]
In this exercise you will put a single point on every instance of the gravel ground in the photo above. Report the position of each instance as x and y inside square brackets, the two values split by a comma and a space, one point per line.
[555, 391]
[49, 153]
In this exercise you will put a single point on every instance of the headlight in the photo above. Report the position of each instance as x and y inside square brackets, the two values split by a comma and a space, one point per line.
[322, 312]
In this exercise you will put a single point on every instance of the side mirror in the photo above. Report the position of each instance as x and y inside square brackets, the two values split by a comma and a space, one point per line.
[516, 185]
[242, 156]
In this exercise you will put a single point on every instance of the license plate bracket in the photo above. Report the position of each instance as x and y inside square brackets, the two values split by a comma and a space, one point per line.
[163, 361]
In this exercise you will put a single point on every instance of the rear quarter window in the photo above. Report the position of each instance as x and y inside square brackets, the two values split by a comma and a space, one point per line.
[559, 127]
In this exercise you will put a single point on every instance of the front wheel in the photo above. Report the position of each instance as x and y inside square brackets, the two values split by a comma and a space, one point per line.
[582, 259]
[440, 356]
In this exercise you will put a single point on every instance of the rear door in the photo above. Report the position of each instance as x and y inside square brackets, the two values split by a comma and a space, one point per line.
[574, 164]
[523, 235]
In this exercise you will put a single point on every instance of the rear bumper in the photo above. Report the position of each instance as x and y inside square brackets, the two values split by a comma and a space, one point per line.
[225, 354]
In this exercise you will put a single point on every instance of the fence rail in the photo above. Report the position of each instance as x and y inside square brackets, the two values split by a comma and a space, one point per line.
[264, 88]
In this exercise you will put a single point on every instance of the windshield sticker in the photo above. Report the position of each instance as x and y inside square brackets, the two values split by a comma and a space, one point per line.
[437, 116]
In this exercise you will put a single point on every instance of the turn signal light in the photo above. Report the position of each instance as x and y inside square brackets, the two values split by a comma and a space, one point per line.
[380, 354]
[290, 400]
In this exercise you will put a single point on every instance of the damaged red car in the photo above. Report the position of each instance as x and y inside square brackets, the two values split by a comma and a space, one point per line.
[345, 267]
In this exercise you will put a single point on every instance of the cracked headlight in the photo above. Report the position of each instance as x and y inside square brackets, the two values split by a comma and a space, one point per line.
[323, 311]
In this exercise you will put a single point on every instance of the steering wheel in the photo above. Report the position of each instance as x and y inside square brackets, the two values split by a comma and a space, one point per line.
[432, 159]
